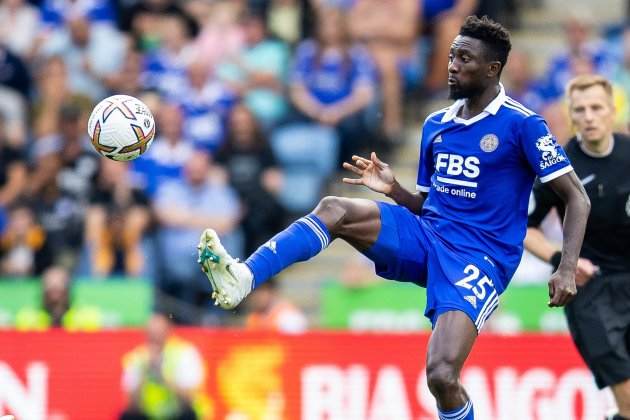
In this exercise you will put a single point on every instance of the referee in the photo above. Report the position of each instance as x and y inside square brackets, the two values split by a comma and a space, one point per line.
[599, 316]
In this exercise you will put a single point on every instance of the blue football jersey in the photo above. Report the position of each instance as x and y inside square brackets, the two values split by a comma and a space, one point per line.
[479, 175]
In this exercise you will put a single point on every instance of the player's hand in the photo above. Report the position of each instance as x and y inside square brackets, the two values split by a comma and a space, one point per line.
[585, 271]
[561, 288]
[375, 174]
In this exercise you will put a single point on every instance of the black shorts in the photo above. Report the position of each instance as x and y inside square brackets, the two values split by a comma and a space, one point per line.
[599, 321]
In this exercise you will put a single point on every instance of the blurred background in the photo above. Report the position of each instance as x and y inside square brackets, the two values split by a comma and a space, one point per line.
[257, 103]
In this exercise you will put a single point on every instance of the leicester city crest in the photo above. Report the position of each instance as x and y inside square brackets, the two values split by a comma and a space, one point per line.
[489, 143]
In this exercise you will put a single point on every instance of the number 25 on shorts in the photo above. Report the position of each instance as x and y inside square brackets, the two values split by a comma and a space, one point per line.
[478, 286]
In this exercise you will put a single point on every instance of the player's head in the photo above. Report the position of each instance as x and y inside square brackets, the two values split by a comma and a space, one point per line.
[591, 107]
[477, 57]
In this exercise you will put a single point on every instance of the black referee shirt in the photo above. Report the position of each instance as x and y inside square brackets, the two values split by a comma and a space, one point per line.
[606, 180]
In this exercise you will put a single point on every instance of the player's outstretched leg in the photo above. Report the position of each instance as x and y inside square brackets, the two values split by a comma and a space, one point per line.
[355, 220]
[451, 341]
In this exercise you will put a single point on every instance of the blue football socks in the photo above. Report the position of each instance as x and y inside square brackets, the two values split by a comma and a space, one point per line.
[464, 413]
[302, 240]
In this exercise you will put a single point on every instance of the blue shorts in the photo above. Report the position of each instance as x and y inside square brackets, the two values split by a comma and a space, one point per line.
[408, 250]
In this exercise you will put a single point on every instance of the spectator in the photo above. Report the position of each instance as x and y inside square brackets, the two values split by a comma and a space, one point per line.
[254, 174]
[521, 84]
[57, 309]
[116, 222]
[168, 154]
[164, 378]
[584, 55]
[290, 20]
[55, 303]
[269, 311]
[220, 36]
[14, 117]
[67, 156]
[57, 13]
[141, 22]
[165, 68]
[127, 80]
[442, 19]
[621, 79]
[90, 53]
[258, 72]
[15, 93]
[22, 243]
[13, 175]
[206, 104]
[390, 30]
[19, 22]
[62, 182]
[333, 82]
[14, 74]
[52, 92]
[184, 208]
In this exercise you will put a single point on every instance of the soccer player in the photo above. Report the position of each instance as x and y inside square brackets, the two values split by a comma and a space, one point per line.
[461, 234]
[599, 319]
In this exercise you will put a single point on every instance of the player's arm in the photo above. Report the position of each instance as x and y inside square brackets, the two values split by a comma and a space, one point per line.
[549, 161]
[379, 177]
[578, 206]
[405, 198]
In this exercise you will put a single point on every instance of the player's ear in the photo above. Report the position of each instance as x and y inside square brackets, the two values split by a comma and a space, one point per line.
[494, 67]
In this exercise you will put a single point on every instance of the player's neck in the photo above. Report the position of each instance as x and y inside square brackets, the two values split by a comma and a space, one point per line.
[474, 105]
[600, 148]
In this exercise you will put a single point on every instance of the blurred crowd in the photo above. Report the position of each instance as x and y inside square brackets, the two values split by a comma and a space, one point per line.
[256, 103]
[587, 49]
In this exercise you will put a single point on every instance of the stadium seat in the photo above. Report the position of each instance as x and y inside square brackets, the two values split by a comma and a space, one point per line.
[307, 154]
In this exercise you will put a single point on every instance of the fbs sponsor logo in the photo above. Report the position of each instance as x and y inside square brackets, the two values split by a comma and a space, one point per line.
[549, 150]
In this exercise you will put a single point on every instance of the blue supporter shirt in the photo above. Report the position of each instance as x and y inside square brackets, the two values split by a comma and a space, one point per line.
[335, 75]
[55, 12]
[163, 162]
[206, 112]
[479, 175]
[561, 68]
[165, 72]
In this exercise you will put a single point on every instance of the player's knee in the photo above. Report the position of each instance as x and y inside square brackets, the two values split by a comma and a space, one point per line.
[332, 210]
[442, 378]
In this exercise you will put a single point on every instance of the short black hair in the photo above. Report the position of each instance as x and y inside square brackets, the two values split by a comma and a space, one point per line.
[494, 36]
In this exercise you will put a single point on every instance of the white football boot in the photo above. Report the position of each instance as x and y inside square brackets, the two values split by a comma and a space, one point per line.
[231, 280]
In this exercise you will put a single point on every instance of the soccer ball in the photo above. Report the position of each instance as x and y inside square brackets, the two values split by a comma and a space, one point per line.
[121, 127]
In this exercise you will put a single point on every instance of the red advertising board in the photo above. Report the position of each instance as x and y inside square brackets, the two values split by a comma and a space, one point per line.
[316, 376]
